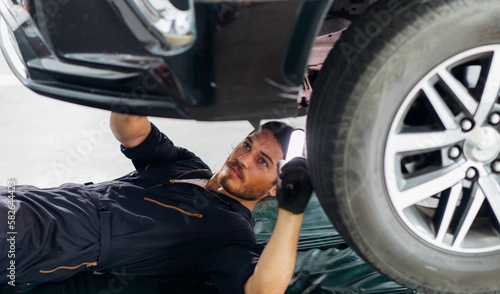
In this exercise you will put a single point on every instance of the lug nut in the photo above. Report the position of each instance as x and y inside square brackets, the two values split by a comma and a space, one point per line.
[466, 125]
[471, 173]
[494, 118]
[454, 152]
[495, 166]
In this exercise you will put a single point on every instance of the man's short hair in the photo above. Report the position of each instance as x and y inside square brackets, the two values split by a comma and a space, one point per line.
[281, 131]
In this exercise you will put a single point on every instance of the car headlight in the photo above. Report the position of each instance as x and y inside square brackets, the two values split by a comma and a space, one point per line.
[11, 50]
[15, 17]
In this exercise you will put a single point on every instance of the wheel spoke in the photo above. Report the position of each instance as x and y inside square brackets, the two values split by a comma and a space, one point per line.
[459, 90]
[440, 107]
[429, 185]
[451, 205]
[491, 190]
[491, 90]
[406, 142]
[471, 215]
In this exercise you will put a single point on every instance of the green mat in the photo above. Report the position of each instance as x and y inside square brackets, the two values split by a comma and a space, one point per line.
[324, 262]
[316, 231]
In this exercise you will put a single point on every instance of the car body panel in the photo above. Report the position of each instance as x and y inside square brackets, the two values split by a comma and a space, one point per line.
[237, 68]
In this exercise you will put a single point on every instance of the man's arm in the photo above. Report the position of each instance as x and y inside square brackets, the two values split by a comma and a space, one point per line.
[130, 130]
[275, 267]
[277, 262]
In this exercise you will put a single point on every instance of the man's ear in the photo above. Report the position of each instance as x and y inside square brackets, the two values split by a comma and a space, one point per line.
[273, 190]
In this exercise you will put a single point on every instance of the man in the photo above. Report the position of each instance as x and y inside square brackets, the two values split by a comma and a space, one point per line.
[171, 216]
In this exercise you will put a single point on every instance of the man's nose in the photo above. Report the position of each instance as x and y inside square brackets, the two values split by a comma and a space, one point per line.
[245, 159]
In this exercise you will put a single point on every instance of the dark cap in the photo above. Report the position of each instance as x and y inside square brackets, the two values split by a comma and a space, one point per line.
[281, 131]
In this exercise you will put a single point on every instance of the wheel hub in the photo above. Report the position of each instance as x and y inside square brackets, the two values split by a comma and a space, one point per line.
[482, 145]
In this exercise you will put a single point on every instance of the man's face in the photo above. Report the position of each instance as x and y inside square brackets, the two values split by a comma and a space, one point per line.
[251, 170]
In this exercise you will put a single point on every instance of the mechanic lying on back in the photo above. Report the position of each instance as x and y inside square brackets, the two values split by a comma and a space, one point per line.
[171, 216]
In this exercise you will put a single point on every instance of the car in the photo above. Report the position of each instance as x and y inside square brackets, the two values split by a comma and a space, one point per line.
[401, 98]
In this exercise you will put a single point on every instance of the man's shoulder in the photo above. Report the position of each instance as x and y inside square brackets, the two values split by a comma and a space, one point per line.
[159, 149]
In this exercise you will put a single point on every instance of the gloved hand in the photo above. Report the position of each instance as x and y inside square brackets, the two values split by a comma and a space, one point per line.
[294, 185]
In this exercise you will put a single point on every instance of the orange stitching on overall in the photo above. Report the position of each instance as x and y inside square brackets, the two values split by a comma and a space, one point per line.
[173, 207]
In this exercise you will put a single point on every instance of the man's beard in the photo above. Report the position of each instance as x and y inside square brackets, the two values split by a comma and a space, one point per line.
[243, 192]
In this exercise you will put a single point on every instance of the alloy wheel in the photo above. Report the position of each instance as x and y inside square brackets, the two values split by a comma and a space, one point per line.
[442, 156]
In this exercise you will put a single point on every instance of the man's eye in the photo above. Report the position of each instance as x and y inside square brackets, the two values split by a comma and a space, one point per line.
[246, 145]
[263, 162]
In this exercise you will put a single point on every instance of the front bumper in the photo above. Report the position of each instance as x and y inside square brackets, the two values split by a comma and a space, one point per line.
[239, 67]
[37, 66]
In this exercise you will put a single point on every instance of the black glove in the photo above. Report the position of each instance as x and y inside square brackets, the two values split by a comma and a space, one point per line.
[294, 185]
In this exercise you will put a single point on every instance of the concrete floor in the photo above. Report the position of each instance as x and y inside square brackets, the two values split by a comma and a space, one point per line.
[45, 142]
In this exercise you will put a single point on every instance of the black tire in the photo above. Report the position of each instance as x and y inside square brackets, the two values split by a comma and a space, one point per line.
[364, 85]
